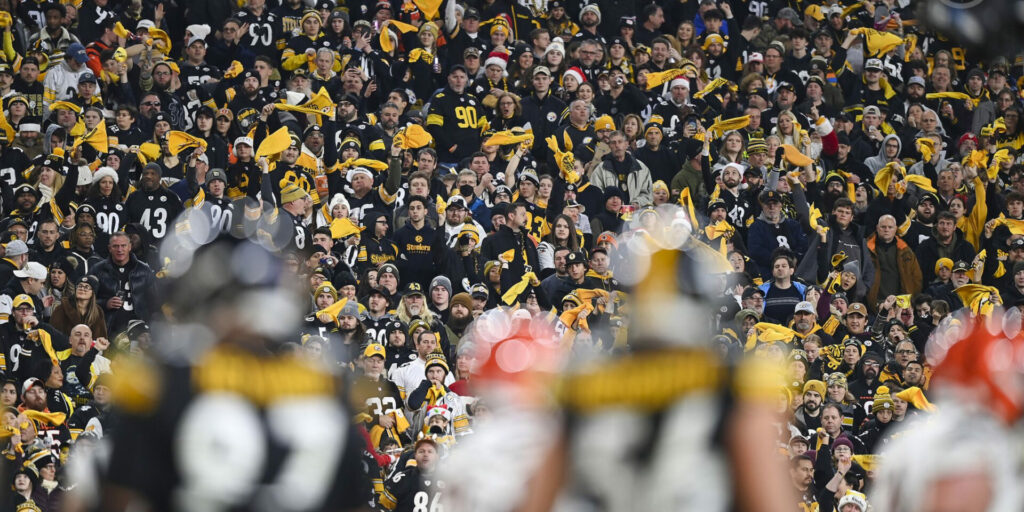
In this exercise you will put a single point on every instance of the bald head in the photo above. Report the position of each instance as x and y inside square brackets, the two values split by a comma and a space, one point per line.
[80, 339]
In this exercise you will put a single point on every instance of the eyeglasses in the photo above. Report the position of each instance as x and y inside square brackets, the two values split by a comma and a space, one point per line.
[872, 363]
[906, 351]
[151, 103]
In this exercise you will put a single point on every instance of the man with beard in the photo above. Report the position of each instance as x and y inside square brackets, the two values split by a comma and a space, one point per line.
[922, 226]
[349, 120]
[387, 121]
[865, 380]
[249, 95]
[153, 205]
[45, 396]
[808, 416]
[171, 98]
[550, 283]
[805, 322]
[26, 203]
[460, 316]
[590, 18]
[739, 203]
[801, 473]
[28, 142]
[672, 106]
[946, 242]
[352, 333]
[825, 195]
[377, 317]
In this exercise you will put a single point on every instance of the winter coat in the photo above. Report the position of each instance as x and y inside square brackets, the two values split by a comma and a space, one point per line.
[906, 260]
[638, 182]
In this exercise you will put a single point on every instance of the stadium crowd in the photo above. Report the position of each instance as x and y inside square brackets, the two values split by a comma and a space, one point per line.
[416, 164]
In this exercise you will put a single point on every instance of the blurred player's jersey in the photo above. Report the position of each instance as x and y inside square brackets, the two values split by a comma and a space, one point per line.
[643, 434]
[237, 431]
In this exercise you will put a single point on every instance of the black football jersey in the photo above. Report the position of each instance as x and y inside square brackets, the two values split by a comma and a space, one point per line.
[238, 431]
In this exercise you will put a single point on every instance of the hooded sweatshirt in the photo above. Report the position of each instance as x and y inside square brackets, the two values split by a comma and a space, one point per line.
[875, 163]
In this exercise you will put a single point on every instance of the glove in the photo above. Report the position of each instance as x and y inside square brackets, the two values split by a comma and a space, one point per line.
[780, 154]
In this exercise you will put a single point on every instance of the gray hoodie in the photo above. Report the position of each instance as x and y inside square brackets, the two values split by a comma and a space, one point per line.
[875, 163]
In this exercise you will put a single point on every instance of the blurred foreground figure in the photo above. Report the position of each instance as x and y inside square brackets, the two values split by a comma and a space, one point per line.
[979, 401]
[672, 425]
[228, 419]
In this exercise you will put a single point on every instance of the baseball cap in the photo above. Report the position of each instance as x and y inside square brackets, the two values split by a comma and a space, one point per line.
[33, 269]
[87, 78]
[872, 110]
[77, 52]
[961, 266]
[575, 257]
[375, 349]
[1017, 243]
[15, 248]
[23, 298]
[29, 382]
[873, 64]
[916, 80]
[814, 11]
[471, 51]
[457, 201]
[755, 57]
[769, 196]
[541, 70]
[804, 307]
[858, 309]
[414, 288]
[750, 291]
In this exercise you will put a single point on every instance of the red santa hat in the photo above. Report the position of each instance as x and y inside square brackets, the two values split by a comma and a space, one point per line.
[574, 72]
[497, 58]
[681, 81]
